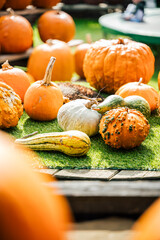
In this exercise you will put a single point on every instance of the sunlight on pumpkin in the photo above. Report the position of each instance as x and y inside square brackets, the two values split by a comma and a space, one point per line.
[147, 227]
[28, 209]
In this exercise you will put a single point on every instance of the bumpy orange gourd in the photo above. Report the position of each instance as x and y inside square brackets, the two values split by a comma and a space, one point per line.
[109, 64]
[2, 2]
[29, 209]
[43, 98]
[39, 58]
[15, 33]
[11, 107]
[56, 24]
[140, 89]
[124, 128]
[17, 4]
[45, 4]
[15, 78]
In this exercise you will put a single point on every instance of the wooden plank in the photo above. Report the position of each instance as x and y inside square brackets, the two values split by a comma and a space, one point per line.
[13, 57]
[134, 175]
[86, 174]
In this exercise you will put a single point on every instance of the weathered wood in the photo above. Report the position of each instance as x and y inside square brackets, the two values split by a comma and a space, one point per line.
[134, 175]
[86, 174]
[13, 57]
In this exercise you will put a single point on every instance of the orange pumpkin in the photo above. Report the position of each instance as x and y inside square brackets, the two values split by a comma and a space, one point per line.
[45, 4]
[17, 4]
[39, 58]
[15, 33]
[15, 78]
[29, 209]
[2, 2]
[109, 64]
[140, 89]
[43, 98]
[159, 80]
[30, 77]
[56, 24]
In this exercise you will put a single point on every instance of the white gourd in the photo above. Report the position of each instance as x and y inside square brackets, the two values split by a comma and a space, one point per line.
[76, 116]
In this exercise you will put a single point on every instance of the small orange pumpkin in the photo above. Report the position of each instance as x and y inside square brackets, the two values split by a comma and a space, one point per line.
[30, 77]
[43, 98]
[45, 4]
[2, 2]
[140, 89]
[56, 24]
[15, 33]
[15, 78]
[40, 56]
[17, 4]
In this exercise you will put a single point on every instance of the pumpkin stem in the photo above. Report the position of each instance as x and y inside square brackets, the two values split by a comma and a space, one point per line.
[10, 11]
[88, 38]
[140, 81]
[6, 66]
[91, 101]
[120, 41]
[48, 74]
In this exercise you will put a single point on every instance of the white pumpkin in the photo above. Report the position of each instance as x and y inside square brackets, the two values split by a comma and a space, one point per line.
[76, 116]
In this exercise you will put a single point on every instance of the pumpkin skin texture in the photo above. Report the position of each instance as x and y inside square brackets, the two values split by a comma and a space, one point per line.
[16, 34]
[140, 89]
[56, 25]
[15, 78]
[45, 4]
[39, 58]
[109, 64]
[43, 98]
[17, 4]
[124, 128]
[2, 2]
[29, 210]
[11, 107]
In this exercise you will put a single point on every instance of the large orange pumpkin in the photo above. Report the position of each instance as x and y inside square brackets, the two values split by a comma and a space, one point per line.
[15, 33]
[140, 89]
[15, 78]
[43, 98]
[109, 64]
[2, 2]
[17, 4]
[45, 4]
[64, 65]
[29, 210]
[56, 24]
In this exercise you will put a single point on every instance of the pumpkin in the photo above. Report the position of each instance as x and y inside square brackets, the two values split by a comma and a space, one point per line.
[17, 4]
[56, 24]
[15, 78]
[29, 209]
[139, 103]
[109, 64]
[140, 89]
[30, 77]
[78, 115]
[11, 107]
[159, 80]
[2, 2]
[43, 98]
[40, 56]
[124, 128]
[45, 4]
[15, 33]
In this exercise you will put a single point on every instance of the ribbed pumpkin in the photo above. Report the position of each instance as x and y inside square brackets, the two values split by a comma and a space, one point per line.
[45, 4]
[11, 107]
[124, 128]
[109, 64]
[56, 24]
[140, 89]
[30, 77]
[2, 2]
[15, 78]
[39, 58]
[17, 4]
[29, 209]
[15, 33]
[43, 98]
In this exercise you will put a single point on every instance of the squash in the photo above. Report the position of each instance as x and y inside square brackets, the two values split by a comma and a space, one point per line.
[140, 89]
[43, 98]
[109, 64]
[56, 24]
[72, 143]
[15, 78]
[40, 56]
[30, 77]
[11, 107]
[139, 103]
[45, 4]
[124, 128]
[112, 101]
[78, 115]
[2, 2]
[29, 209]
[17, 4]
